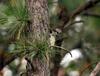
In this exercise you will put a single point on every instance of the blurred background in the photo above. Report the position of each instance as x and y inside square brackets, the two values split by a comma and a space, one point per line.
[81, 38]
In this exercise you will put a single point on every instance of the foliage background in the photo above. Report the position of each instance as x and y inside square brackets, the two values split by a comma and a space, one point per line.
[14, 18]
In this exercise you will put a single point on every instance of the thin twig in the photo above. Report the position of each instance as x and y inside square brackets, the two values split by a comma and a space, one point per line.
[62, 49]
[91, 14]
[81, 21]
[72, 23]
[89, 4]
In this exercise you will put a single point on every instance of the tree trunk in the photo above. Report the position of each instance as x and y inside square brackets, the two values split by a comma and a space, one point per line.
[38, 32]
[38, 14]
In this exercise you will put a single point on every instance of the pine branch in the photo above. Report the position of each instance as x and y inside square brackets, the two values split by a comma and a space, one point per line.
[89, 4]
[7, 58]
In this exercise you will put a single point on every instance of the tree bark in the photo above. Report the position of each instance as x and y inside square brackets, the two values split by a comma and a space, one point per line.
[38, 14]
[38, 32]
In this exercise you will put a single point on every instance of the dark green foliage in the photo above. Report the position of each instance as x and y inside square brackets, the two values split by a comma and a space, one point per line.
[14, 18]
